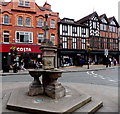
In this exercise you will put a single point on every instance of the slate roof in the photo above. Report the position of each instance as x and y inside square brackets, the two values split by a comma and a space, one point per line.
[88, 17]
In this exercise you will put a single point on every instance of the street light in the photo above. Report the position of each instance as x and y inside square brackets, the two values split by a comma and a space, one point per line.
[88, 54]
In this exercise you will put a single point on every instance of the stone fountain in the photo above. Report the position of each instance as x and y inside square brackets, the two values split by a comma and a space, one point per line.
[49, 85]
[48, 95]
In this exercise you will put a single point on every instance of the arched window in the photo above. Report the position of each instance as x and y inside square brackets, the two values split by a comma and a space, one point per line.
[6, 19]
[20, 21]
[28, 21]
[40, 22]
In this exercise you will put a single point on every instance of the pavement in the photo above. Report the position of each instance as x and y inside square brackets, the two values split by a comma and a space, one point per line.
[64, 69]
[107, 94]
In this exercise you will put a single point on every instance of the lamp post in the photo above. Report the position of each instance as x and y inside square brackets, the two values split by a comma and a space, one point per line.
[88, 54]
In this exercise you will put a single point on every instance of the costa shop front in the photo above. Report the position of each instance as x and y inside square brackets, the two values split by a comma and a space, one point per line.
[29, 53]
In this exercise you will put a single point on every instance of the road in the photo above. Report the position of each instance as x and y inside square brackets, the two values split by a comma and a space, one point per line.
[107, 77]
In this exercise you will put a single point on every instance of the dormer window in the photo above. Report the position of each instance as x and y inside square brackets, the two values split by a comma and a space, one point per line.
[24, 3]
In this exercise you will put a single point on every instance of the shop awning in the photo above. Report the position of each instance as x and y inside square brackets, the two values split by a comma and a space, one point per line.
[21, 48]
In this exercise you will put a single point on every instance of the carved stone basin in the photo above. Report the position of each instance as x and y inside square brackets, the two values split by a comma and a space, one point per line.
[53, 74]
[49, 84]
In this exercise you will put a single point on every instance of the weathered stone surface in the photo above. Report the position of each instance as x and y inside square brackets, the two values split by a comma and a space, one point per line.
[35, 90]
[55, 90]
[41, 104]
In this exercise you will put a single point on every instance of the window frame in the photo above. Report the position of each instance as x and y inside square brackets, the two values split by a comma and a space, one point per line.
[7, 34]
[21, 21]
[6, 20]
[28, 21]
[52, 23]
[52, 38]
[24, 3]
[64, 42]
[74, 43]
[40, 22]
[40, 37]
[24, 33]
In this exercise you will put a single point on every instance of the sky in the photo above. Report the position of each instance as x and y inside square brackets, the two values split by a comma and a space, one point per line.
[77, 9]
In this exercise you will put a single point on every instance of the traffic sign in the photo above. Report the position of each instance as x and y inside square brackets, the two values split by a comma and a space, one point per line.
[106, 52]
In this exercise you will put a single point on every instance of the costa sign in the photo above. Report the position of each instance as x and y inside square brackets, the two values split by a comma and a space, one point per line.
[24, 49]
[21, 48]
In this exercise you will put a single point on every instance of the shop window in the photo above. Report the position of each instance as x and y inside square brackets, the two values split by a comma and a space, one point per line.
[52, 23]
[53, 39]
[40, 38]
[6, 19]
[40, 22]
[20, 21]
[24, 37]
[28, 21]
[6, 36]
[74, 43]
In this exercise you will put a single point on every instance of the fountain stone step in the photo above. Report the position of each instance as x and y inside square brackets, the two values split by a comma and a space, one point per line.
[20, 101]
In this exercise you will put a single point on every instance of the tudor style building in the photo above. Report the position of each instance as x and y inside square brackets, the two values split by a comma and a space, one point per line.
[22, 24]
[102, 33]
[73, 38]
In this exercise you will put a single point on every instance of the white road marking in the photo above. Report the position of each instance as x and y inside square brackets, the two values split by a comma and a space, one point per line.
[89, 73]
[100, 76]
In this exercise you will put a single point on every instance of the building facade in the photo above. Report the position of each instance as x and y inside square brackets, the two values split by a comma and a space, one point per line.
[22, 23]
[73, 38]
[100, 32]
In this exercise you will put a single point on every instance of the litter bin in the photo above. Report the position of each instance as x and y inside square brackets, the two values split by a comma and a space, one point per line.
[5, 68]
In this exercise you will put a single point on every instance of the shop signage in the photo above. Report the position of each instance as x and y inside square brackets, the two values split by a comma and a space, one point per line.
[21, 48]
[24, 49]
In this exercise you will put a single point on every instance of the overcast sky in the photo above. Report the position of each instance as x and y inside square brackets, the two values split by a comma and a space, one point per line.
[77, 9]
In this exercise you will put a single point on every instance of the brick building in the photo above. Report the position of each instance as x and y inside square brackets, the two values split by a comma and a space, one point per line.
[99, 32]
[22, 24]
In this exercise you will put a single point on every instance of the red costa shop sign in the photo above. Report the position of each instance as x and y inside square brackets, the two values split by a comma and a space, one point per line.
[21, 48]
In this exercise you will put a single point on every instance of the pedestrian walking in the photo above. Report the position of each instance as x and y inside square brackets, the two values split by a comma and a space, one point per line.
[114, 61]
[110, 62]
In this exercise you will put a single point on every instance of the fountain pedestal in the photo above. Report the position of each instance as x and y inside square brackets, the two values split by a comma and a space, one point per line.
[53, 88]
[49, 73]
[35, 88]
